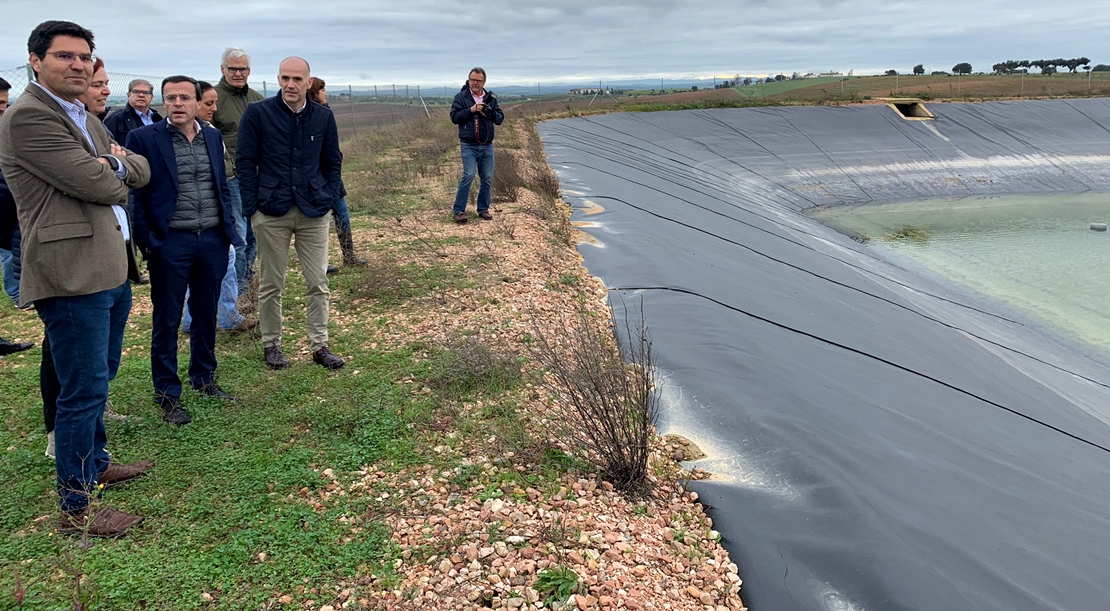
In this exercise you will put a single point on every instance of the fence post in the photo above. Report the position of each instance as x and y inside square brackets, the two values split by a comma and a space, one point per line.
[264, 93]
[392, 104]
[377, 107]
[351, 97]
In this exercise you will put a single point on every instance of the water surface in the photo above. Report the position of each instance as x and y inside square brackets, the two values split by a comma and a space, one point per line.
[1036, 253]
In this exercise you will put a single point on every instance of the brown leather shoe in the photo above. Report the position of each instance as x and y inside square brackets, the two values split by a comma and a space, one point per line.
[246, 325]
[485, 215]
[460, 217]
[98, 521]
[275, 358]
[117, 474]
[324, 357]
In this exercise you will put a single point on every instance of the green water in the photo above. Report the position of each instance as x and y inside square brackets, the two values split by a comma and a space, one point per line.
[1036, 253]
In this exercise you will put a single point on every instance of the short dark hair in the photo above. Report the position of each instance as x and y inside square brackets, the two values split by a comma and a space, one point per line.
[478, 70]
[181, 78]
[314, 89]
[205, 87]
[43, 36]
[4, 85]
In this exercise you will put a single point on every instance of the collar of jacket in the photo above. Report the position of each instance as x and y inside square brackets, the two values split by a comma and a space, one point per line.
[239, 91]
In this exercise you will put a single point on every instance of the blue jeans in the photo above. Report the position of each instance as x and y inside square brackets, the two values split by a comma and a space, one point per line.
[480, 155]
[342, 215]
[185, 261]
[86, 337]
[228, 316]
[244, 255]
[11, 283]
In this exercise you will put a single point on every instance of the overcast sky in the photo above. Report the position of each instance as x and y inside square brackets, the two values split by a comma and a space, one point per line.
[435, 42]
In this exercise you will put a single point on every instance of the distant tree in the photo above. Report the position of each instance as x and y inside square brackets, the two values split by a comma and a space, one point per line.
[1101, 68]
[795, 76]
[748, 80]
[694, 88]
[1048, 70]
[938, 73]
[892, 73]
[919, 69]
[780, 77]
[962, 68]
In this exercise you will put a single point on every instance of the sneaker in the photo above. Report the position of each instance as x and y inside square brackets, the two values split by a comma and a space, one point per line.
[460, 217]
[485, 215]
[213, 389]
[172, 411]
[98, 521]
[324, 357]
[275, 358]
[50, 445]
[332, 270]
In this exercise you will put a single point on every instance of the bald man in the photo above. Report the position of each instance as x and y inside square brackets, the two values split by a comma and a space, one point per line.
[290, 168]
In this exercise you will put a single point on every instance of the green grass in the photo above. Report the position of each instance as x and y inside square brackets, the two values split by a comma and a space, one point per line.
[776, 87]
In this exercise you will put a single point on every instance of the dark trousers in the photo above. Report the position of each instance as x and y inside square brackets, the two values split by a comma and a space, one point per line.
[86, 338]
[194, 261]
[49, 386]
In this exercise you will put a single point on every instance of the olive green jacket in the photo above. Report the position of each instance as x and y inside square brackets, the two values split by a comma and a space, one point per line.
[230, 107]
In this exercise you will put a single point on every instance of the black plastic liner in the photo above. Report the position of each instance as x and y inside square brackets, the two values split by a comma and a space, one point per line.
[882, 441]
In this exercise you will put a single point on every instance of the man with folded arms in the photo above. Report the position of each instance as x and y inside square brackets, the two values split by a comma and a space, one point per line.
[184, 226]
[290, 173]
[67, 178]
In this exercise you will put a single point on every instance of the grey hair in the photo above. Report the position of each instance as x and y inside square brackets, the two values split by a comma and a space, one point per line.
[234, 53]
[134, 82]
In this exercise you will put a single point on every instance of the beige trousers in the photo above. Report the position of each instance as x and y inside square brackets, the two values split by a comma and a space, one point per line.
[273, 234]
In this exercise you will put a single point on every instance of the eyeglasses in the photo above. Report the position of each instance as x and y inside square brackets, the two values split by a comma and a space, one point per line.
[69, 57]
[142, 92]
[237, 70]
[477, 80]
[173, 97]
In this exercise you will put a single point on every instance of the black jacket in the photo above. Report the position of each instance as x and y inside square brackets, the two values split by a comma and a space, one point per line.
[8, 219]
[285, 159]
[121, 122]
[475, 128]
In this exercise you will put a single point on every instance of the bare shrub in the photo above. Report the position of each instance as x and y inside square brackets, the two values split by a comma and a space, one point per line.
[604, 390]
[507, 180]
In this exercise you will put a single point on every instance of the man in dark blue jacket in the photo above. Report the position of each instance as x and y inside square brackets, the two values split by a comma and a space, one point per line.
[137, 112]
[476, 112]
[184, 226]
[290, 174]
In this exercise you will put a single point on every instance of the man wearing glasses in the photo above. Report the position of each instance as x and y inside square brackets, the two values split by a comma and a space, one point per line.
[136, 114]
[184, 226]
[234, 97]
[67, 178]
[476, 112]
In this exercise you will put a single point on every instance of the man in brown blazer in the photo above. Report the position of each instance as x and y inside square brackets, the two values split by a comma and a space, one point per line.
[68, 179]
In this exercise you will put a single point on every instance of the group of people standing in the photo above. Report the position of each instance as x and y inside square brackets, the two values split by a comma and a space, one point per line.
[225, 171]
[226, 176]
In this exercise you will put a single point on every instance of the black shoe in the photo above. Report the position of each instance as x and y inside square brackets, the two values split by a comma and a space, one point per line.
[324, 357]
[332, 270]
[213, 389]
[7, 347]
[485, 215]
[275, 358]
[172, 411]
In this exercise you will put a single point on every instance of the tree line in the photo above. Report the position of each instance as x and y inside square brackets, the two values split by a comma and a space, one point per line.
[1046, 66]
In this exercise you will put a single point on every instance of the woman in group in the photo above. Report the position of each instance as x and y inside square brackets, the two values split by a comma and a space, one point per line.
[317, 93]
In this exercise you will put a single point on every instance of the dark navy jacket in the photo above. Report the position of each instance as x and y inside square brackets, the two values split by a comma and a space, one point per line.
[155, 203]
[475, 128]
[285, 159]
[121, 122]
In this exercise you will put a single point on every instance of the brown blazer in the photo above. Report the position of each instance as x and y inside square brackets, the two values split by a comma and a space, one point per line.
[71, 241]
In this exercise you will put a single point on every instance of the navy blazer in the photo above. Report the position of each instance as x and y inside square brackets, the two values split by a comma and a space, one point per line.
[156, 202]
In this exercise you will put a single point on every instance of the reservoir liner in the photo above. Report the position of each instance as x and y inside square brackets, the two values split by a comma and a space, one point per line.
[938, 454]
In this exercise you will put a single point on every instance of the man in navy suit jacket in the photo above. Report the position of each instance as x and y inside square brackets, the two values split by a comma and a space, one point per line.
[184, 226]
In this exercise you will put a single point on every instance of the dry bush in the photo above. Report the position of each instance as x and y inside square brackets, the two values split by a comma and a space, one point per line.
[507, 179]
[465, 365]
[604, 391]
